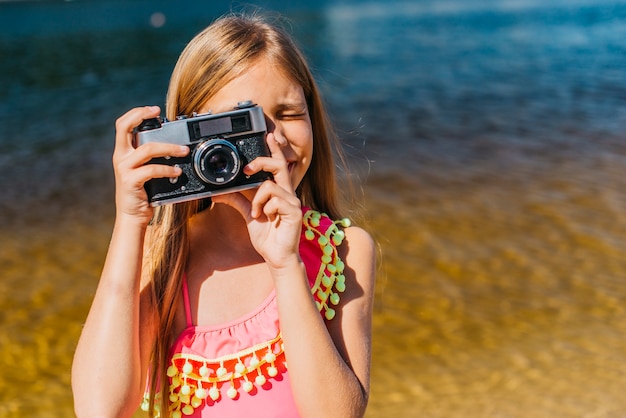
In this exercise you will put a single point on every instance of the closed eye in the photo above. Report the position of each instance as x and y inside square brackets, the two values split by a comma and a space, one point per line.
[292, 111]
[287, 116]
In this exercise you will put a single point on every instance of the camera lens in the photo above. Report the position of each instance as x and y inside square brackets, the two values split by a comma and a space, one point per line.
[216, 161]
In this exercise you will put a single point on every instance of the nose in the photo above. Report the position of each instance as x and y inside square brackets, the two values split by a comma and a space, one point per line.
[274, 128]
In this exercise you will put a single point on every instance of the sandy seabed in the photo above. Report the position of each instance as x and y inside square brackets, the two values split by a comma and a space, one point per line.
[497, 296]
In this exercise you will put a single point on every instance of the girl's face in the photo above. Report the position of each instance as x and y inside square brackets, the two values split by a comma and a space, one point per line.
[285, 108]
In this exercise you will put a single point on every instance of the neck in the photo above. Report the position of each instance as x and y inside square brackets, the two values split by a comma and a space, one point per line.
[221, 232]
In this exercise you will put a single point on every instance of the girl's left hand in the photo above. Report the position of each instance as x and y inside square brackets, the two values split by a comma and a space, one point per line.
[273, 215]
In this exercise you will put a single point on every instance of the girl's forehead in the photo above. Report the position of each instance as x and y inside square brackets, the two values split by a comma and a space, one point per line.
[264, 83]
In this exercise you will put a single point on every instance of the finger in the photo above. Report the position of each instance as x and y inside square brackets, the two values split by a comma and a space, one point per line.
[276, 164]
[146, 152]
[137, 178]
[125, 124]
[268, 191]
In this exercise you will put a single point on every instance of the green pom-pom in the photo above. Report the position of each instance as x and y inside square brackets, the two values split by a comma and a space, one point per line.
[326, 281]
[330, 313]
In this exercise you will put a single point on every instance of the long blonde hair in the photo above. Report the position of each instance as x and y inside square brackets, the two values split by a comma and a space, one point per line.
[217, 55]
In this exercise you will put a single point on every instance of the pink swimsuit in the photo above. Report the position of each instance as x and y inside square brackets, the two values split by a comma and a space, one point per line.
[239, 368]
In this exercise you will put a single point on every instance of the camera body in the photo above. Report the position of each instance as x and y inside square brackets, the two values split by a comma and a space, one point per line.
[220, 146]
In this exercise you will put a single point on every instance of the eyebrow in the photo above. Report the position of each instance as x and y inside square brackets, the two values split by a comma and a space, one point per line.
[297, 106]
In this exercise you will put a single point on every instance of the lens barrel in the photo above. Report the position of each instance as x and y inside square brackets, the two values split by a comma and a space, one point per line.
[216, 161]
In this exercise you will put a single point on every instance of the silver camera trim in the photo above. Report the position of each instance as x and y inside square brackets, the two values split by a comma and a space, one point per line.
[177, 131]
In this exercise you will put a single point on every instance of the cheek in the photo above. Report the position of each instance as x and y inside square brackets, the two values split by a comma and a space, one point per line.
[304, 140]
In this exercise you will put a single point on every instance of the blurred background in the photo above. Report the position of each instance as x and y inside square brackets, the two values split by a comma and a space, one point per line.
[489, 136]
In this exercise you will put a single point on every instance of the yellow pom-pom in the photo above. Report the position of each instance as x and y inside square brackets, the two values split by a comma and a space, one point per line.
[177, 414]
[172, 371]
[196, 402]
[188, 410]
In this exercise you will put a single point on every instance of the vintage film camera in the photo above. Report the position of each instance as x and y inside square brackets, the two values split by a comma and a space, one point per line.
[221, 145]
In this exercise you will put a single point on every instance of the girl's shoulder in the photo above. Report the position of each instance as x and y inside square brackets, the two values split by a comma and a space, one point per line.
[342, 246]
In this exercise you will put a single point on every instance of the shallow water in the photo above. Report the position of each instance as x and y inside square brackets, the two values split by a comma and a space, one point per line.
[490, 139]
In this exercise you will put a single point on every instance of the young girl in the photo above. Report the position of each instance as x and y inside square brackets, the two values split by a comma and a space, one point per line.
[259, 305]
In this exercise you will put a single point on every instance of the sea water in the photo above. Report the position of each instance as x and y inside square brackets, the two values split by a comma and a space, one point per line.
[488, 136]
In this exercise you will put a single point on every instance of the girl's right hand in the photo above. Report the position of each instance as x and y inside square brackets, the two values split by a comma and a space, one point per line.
[131, 170]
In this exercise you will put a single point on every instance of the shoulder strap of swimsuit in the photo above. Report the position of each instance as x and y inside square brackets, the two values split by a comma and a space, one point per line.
[186, 300]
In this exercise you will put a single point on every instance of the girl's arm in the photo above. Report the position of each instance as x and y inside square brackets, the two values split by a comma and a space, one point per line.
[109, 368]
[329, 366]
[329, 363]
